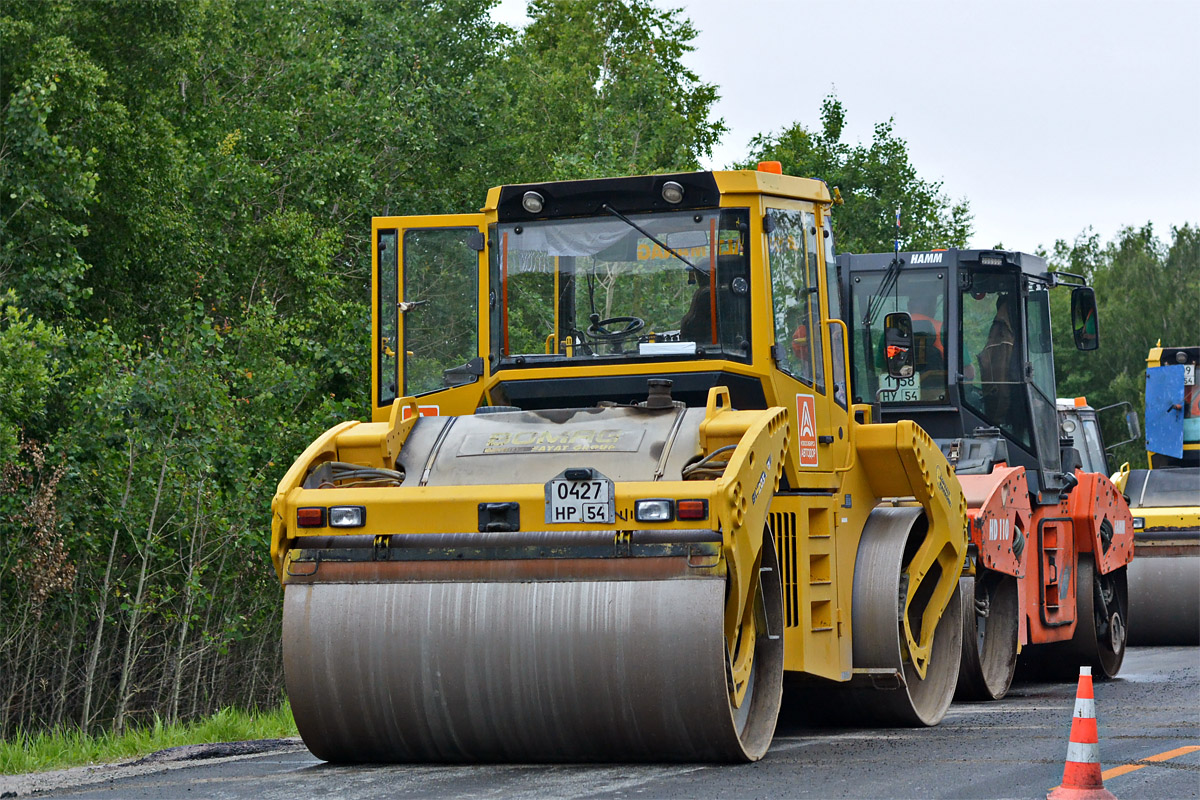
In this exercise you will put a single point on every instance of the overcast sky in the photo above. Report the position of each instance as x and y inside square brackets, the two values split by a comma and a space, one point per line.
[1047, 116]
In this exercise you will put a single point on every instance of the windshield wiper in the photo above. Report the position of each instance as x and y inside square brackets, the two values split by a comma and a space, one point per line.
[885, 286]
[650, 236]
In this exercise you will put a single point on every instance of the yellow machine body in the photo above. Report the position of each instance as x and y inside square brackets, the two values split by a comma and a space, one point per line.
[1164, 578]
[799, 492]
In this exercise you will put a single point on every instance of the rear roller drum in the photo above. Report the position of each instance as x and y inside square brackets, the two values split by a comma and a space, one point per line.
[990, 631]
[889, 539]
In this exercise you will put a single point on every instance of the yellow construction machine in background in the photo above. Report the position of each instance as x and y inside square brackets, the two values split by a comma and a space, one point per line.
[613, 496]
[1164, 578]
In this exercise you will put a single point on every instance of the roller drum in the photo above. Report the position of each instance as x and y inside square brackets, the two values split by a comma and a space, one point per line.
[1102, 617]
[1164, 600]
[587, 670]
[990, 630]
[876, 633]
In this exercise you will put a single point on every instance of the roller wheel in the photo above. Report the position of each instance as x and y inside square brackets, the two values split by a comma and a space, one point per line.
[889, 540]
[990, 631]
[1102, 603]
[755, 717]
[475, 670]
[1164, 600]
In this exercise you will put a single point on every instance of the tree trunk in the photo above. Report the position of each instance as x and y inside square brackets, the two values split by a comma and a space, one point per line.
[197, 543]
[89, 680]
[135, 612]
[68, 667]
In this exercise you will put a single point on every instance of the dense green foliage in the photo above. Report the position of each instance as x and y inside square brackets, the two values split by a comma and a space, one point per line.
[1146, 291]
[187, 192]
[875, 181]
[188, 187]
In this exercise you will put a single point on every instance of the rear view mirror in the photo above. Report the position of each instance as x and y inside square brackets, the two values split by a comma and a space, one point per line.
[1083, 318]
[687, 240]
[897, 344]
[1132, 427]
[1131, 423]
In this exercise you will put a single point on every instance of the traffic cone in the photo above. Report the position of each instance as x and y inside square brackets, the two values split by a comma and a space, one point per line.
[1081, 775]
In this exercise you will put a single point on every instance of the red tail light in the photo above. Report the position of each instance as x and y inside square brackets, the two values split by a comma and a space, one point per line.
[312, 517]
[691, 509]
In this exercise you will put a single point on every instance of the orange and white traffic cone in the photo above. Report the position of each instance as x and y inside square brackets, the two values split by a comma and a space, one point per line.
[1081, 776]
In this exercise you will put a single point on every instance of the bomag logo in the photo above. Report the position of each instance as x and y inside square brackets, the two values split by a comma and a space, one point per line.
[649, 251]
[590, 441]
[927, 258]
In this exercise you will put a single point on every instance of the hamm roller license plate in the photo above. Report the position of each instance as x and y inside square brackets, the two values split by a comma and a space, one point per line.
[582, 501]
[900, 390]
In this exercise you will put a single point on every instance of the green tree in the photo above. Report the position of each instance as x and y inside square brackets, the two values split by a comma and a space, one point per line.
[50, 92]
[30, 365]
[599, 88]
[1147, 291]
[874, 179]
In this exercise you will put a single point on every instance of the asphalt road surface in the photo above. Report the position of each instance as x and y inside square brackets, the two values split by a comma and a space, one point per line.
[1149, 721]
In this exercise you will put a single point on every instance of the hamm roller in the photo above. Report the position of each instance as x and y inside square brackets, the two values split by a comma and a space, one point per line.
[613, 495]
[1051, 538]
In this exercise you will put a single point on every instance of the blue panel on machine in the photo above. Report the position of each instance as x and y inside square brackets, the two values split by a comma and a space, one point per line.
[1164, 410]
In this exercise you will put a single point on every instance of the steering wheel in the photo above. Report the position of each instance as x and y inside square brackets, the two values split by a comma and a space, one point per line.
[599, 328]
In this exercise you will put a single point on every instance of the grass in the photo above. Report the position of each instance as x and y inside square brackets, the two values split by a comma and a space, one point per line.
[69, 747]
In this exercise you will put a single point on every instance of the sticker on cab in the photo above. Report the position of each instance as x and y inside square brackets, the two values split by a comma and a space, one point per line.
[806, 416]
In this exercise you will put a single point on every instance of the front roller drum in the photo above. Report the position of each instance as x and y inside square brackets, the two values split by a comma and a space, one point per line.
[888, 541]
[547, 670]
[1102, 611]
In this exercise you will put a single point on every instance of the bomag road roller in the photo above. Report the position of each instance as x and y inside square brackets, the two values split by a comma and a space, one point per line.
[1164, 580]
[606, 502]
[1050, 541]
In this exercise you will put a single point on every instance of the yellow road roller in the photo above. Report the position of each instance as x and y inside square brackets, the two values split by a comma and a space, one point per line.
[1164, 579]
[613, 501]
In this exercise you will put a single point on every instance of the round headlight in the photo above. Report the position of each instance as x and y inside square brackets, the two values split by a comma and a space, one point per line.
[533, 202]
[672, 192]
[1068, 426]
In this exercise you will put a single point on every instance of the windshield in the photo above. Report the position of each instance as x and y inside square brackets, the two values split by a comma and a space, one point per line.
[922, 294]
[621, 287]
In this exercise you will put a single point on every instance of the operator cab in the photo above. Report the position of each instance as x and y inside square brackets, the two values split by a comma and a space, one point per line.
[618, 273]
[983, 379]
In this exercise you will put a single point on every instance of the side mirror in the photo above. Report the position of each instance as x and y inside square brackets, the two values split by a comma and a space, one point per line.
[897, 344]
[1131, 424]
[1083, 318]
[1133, 428]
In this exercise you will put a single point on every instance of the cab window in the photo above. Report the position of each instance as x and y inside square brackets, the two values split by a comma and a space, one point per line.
[388, 345]
[440, 295]
[920, 293]
[992, 359]
[791, 250]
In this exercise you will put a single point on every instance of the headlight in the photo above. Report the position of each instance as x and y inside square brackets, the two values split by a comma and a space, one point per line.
[1139, 523]
[532, 202]
[347, 516]
[672, 192]
[653, 511]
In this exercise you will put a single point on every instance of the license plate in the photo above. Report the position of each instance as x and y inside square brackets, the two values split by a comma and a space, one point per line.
[585, 502]
[906, 390]
[1189, 374]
